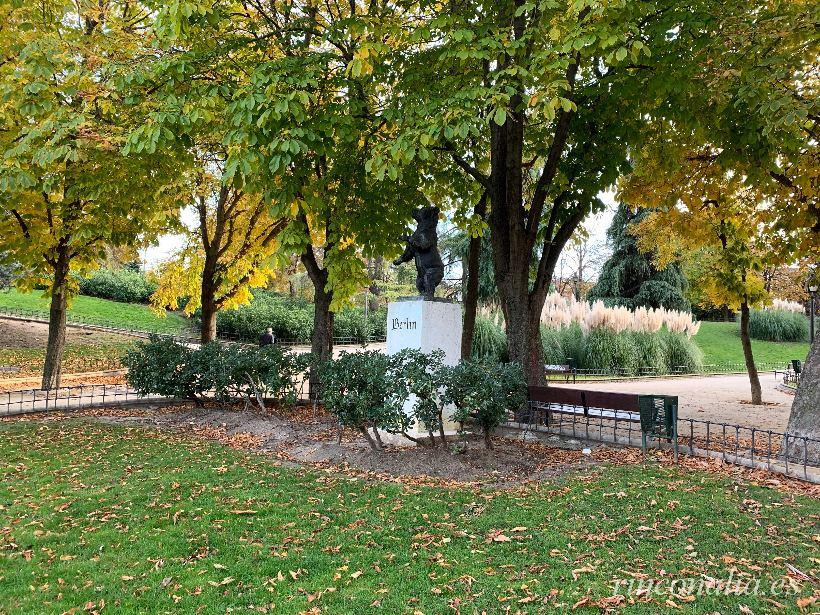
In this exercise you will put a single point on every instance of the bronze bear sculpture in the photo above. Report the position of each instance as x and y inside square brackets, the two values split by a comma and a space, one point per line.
[422, 246]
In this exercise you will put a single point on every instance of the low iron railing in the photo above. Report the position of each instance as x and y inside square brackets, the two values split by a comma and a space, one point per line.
[753, 447]
[554, 375]
[77, 397]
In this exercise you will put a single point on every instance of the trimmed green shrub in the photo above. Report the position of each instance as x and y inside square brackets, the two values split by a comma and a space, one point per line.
[124, 285]
[778, 326]
[359, 389]
[160, 366]
[485, 393]
[226, 372]
[489, 341]
[681, 354]
[351, 323]
[610, 352]
[419, 376]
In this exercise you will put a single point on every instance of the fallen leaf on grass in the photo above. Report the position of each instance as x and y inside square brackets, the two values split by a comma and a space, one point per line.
[225, 581]
[802, 603]
[577, 571]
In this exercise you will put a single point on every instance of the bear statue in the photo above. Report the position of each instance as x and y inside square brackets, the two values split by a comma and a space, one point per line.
[422, 246]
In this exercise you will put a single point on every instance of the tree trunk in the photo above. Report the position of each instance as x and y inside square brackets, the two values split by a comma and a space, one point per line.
[52, 367]
[471, 290]
[488, 439]
[321, 345]
[375, 288]
[754, 379]
[524, 338]
[804, 420]
[208, 307]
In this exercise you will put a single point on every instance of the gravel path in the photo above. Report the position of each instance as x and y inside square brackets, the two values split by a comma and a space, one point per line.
[713, 398]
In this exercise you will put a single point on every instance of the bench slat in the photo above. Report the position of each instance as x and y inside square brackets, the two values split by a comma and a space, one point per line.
[591, 399]
[620, 415]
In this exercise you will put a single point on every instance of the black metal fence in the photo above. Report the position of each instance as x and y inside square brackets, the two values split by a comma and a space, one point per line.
[785, 453]
[752, 447]
[653, 372]
[77, 397]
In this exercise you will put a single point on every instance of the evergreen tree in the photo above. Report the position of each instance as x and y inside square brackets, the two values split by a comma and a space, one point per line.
[629, 278]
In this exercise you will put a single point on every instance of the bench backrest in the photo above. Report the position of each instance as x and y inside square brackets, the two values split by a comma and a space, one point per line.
[588, 399]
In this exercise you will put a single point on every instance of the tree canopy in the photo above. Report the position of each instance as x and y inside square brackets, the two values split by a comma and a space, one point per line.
[66, 188]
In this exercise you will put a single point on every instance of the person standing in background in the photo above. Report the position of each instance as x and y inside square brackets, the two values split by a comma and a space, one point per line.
[267, 338]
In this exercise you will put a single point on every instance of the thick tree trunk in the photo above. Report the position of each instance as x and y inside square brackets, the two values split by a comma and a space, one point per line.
[470, 298]
[804, 420]
[471, 290]
[52, 367]
[524, 338]
[208, 300]
[208, 330]
[322, 343]
[321, 346]
[751, 368]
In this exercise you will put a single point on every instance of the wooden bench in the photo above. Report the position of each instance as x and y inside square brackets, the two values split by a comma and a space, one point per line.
[657, 415]
[792, 372]
[563, 370]
[598, 404]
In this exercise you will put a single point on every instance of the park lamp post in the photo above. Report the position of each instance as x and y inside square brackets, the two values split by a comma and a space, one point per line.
[812, 295]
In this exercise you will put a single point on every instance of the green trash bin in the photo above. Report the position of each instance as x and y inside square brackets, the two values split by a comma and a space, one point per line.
[659, 419]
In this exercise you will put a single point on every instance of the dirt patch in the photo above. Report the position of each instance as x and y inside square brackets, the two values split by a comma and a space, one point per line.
[307, 439]
[19, 334]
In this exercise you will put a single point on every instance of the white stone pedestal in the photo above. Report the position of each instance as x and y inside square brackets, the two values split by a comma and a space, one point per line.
[426, 326]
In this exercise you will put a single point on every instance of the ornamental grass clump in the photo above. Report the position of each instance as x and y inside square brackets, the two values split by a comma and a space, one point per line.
[681, 354]
[601, 338]
[610, 352]
[489, 339]
[560, 312]
[649, 348]
[779, 325]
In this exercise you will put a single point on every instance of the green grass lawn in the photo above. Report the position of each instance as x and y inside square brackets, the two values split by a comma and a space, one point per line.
[98, 311]
[720, 342]
[134, 521]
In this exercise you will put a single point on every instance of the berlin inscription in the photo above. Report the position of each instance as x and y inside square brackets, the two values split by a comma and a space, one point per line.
[403, 324]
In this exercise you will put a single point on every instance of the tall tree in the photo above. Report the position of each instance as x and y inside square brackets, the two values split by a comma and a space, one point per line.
[304, 112]
[538, 102]
[722, 224]
[230, 251]
[740, 151]
[67, 191]
[630, 278]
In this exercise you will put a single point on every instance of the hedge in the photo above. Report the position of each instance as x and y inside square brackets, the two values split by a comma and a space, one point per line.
[292, 320]
[123, 285]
